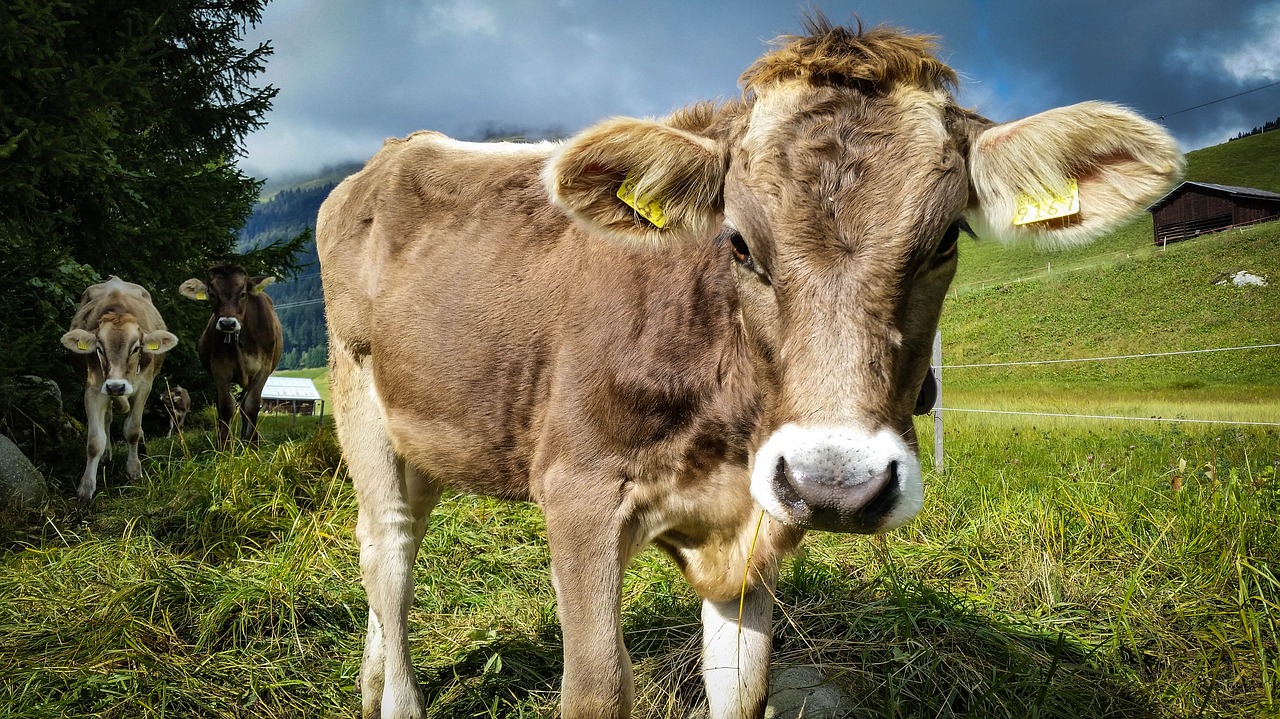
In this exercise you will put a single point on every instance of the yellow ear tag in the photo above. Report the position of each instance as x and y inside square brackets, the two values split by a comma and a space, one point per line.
[153, 345]
[648, 207]
[82, 344]
[1050, 206]
[201, 296]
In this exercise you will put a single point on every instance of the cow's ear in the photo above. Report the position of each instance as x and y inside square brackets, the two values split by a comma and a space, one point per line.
[158, 342]
[1118, 162]
[639, 181]
[194, 289]
[80, 341]
[258, 284]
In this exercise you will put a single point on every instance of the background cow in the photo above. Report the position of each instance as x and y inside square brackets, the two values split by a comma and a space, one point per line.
[177, 402]
[241, 344]
[707, 331]
[119, 341]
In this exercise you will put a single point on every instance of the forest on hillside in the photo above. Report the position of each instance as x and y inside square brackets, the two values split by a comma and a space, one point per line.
[299, 299]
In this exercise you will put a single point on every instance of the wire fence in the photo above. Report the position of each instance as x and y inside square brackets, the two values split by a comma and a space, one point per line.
[938, 410]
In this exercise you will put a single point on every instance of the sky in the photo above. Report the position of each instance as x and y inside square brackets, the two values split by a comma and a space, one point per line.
[351, 73]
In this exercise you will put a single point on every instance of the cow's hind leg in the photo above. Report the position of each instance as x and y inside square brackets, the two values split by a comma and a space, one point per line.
[395, 502]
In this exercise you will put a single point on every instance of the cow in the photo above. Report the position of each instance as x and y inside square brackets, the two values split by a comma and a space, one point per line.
[118, 340]
[241, 344]
[177, 403]
[707, 331]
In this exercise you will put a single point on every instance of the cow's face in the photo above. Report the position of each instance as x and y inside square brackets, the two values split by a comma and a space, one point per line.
[171, 398]
[838, 189]
[841, 214]
[227, 290]
[117, 350]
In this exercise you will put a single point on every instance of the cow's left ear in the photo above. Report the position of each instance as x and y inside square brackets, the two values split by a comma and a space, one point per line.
[194, 289]
[258, 284]
[1119, 162]
[639, 181]
[82, 342]
[158, 342]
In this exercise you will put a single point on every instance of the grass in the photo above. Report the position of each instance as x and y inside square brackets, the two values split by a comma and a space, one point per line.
[1058, 570]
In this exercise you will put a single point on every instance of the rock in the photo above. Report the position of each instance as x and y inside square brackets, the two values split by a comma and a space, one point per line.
[804, 693]
[21, 484]
[31, 414]
[1243, 278]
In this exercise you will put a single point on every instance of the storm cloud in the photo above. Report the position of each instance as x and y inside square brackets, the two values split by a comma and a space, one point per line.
[353, 72]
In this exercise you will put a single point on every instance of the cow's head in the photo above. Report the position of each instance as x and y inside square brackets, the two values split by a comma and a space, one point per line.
[171, 397]
[121, 349]
[227, 290]
[839, 186]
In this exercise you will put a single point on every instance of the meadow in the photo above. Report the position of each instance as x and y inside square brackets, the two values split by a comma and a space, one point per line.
[1063, 567]
[1058, 570]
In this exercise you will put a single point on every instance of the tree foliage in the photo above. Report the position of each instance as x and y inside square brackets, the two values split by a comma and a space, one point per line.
[120, 126]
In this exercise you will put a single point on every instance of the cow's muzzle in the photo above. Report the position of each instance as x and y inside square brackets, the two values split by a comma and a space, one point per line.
[837, 479]
[117, 387]
[228, 325]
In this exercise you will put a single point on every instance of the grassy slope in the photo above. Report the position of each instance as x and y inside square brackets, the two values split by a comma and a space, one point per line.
[1121, 295]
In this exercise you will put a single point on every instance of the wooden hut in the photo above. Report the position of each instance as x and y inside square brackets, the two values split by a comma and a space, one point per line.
[295, 395]
[1194, 208]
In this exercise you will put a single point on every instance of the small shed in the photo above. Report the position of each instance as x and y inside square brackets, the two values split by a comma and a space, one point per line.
[296, 395]
[1194, 208]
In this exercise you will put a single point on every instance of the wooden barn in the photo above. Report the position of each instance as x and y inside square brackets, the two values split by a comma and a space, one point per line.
[1194, 208]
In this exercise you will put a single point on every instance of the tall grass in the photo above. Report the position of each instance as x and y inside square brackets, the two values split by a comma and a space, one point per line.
[1065, 570]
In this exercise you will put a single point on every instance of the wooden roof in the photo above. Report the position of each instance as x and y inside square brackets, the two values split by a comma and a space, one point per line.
[1251, 192]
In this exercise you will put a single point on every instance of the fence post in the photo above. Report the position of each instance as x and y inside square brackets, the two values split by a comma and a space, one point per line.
[937, 406]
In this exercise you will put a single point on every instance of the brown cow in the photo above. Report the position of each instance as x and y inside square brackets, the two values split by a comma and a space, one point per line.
[177, 403]
[241, 344]
[707, 331]
[119, 341]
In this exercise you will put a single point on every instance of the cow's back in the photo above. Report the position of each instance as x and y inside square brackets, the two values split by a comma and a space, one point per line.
[116, 294]
[498, 334]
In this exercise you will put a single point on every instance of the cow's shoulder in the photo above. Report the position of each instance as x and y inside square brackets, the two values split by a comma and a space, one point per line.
[116, 295]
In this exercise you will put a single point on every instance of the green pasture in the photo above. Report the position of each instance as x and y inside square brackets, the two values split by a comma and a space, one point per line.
[1061, 568]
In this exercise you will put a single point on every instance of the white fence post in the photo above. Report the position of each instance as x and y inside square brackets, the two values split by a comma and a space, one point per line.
[937, 403]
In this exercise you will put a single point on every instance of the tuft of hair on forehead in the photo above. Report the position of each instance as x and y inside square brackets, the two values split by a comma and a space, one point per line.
[832, 55]
[117, 318]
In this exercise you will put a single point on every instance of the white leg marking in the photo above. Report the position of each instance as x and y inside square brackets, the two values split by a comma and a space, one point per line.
[736, 642]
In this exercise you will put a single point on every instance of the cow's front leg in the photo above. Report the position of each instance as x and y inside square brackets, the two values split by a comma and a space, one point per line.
[736, 642]
[97, 415]
[590, 546]
[133, 430]
[226, 411]
[250, 405]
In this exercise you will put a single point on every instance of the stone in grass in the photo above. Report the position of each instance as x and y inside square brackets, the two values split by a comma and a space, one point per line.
[21, 484]
[804, 693]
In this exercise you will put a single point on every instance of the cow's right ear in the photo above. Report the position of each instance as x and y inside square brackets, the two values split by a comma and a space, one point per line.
[639, 181]
[81, 342]
[194, 289]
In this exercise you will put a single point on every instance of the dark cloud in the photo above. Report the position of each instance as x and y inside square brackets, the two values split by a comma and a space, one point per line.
[352, 73]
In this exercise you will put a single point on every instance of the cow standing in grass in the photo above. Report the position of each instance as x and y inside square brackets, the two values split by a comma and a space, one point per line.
[707, 331]
[118, 339]
[240, 345]
[177, 403]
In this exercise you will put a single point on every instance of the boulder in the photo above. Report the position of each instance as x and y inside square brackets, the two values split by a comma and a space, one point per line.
[31, 414]
[21, 484]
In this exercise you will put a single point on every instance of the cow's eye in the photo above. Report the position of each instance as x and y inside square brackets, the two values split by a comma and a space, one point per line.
[947, 248]
[741, 252]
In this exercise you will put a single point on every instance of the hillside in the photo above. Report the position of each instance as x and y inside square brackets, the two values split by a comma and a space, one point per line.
[1119, 294]
[1122, 295]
